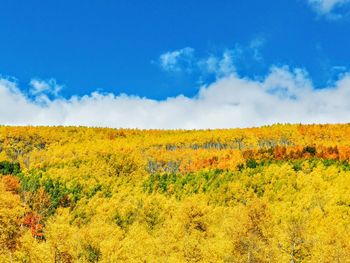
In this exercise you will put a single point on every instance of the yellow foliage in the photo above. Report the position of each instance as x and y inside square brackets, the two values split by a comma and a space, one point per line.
[277, 193]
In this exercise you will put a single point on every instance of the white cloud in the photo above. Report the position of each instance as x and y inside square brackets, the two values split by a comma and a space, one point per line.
[44, 87]
[177, 60]
[284, 95]
[219, 66]
[326, 7]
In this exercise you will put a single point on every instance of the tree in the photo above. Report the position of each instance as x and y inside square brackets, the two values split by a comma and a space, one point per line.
[11, 212]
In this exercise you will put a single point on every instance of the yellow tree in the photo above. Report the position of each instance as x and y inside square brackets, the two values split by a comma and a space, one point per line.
[11, 212]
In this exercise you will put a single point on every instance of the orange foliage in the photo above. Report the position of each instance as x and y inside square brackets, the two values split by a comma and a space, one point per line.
[11, 183]
[33, 221]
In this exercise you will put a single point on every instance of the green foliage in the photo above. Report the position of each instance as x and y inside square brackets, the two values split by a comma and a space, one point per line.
[251, 163]
[310, 149]
[186, 184]
[9, 168]
[93, 253]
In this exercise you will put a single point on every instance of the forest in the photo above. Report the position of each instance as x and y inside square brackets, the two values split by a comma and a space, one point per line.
[277, 193]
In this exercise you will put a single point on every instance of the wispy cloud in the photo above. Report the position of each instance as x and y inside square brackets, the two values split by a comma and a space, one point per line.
[219, 64]
[41, 90]
[283, 95]
[39, 86]
[177, 60]
[327, 7]
[255, 45]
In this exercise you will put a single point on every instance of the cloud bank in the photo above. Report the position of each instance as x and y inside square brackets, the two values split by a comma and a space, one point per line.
[284, 95]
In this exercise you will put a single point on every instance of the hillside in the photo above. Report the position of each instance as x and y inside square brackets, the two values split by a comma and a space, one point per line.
[271, 194]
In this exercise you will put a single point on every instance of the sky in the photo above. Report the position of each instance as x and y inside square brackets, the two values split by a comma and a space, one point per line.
[174, 64]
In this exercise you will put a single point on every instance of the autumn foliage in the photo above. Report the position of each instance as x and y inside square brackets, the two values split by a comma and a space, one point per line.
[278, 193]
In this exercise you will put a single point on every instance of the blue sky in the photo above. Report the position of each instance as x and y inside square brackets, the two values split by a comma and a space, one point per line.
[53, 52]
